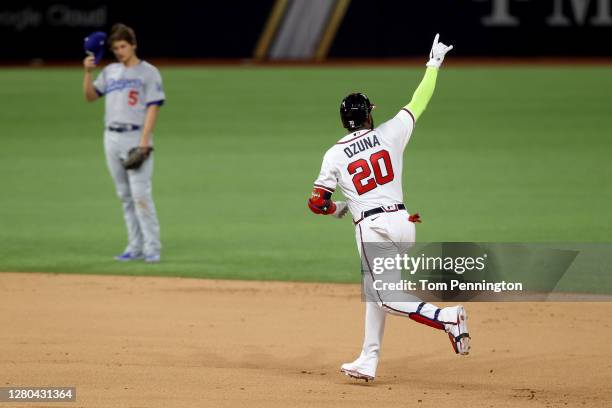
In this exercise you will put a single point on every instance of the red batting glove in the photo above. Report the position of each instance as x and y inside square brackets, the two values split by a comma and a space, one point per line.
[415, 218]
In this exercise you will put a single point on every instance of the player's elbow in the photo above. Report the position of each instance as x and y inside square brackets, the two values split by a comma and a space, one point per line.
[91, 93]
[90, 97]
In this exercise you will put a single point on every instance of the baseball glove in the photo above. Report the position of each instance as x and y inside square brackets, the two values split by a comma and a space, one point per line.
[136, 156]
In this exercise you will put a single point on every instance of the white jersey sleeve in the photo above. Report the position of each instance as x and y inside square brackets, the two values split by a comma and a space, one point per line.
[399, 129]
[100, 83]
[328, 176]
[153, 88]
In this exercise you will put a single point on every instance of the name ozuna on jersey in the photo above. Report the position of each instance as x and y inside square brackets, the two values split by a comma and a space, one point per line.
[361, 145]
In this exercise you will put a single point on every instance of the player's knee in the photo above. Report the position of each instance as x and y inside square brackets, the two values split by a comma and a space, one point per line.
[140, 190]
[141, 195]
[142, 203]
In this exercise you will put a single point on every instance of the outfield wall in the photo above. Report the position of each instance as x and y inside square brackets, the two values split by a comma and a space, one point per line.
[236, 29]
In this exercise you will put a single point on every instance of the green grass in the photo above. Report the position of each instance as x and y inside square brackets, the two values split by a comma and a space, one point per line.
[508, 155]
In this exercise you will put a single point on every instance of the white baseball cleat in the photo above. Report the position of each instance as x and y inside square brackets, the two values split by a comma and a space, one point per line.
[458, 333]
[360, 369]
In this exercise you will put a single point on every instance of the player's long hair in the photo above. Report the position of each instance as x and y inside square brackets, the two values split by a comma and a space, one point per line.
[121, 32]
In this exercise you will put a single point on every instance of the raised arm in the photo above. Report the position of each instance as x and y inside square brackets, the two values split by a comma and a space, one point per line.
[88, 89]
[426, 88]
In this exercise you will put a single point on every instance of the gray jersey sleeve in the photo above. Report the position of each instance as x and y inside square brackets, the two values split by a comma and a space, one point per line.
[100, 83]
[153, 88]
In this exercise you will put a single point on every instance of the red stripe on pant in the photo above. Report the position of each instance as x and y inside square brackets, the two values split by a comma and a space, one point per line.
[425, 320]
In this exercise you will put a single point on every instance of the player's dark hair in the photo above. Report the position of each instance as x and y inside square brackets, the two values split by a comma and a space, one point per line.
[121, 32]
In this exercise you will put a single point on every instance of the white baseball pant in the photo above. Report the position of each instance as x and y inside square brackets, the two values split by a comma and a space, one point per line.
[134, 189]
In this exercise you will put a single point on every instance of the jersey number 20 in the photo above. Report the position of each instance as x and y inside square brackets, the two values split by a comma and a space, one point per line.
[362, 170]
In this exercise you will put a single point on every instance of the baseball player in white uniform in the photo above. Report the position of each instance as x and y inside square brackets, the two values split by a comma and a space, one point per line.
[367, 166]
[133, 95]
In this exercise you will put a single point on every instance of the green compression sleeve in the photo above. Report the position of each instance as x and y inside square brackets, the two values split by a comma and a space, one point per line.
[423, 93]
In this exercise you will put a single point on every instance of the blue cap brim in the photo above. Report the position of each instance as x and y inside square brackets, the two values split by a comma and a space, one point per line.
[99, 56]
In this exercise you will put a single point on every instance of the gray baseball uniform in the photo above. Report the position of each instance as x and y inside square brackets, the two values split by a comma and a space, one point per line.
[128, 91]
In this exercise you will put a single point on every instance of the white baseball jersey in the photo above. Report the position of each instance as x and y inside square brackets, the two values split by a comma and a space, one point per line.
[367, 165]
[128, 92]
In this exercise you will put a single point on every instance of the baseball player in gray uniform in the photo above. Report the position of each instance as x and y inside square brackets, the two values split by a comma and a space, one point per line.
[133, 95]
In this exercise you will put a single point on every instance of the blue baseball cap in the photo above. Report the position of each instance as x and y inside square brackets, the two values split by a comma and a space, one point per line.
[94, 44]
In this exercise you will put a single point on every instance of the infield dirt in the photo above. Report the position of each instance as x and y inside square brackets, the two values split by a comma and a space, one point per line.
[171, 342]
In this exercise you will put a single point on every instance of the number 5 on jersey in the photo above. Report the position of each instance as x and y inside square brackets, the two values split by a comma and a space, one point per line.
[362, 170]
[133, 97]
